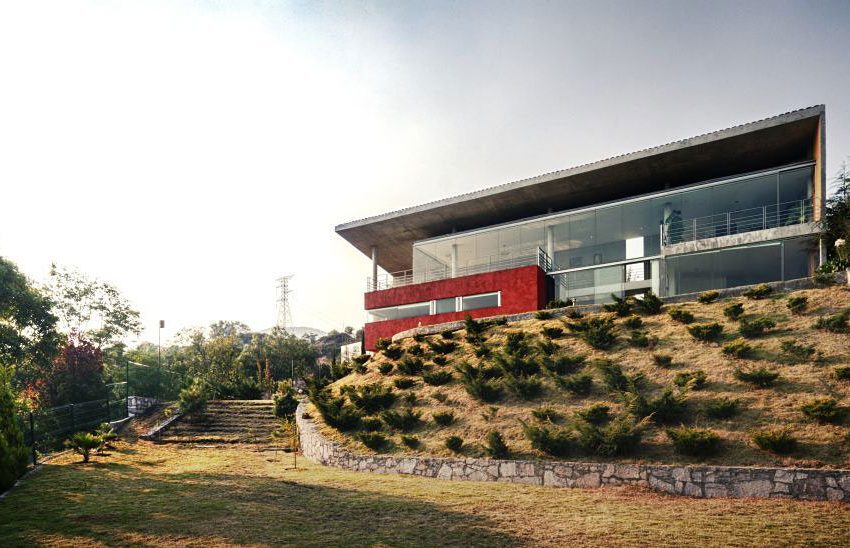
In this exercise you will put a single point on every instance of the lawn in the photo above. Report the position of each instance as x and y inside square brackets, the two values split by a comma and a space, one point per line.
[165, 494]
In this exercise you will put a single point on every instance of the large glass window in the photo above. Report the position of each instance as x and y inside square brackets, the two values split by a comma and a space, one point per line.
[724, 268]
[486, 300]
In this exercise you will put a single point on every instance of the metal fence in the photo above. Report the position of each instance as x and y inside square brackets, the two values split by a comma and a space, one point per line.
[737, 222]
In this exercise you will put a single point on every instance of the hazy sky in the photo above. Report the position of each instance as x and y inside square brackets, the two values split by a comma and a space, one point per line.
[192, 152]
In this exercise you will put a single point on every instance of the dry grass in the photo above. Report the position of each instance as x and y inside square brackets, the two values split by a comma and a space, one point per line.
[146, 494]
[820, 445]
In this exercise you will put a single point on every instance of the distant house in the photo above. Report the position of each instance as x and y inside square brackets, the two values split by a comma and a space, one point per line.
[728, 208]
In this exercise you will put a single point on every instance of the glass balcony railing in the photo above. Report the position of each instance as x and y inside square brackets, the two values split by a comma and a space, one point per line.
[737, 222]
[526, 257]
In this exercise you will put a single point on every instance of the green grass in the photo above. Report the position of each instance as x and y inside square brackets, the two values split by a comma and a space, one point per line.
[145, 494]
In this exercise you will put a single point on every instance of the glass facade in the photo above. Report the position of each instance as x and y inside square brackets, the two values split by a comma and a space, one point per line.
[439, 306]
[617, 232]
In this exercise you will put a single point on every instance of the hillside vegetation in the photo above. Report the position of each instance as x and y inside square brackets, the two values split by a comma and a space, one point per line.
[763, 379]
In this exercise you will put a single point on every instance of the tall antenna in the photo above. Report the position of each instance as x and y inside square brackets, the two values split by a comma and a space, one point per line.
[284, 313]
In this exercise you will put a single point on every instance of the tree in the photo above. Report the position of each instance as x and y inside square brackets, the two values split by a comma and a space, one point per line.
[836, 219]
[28, 337]
[78, 372]
[13, 452]
[90, 307]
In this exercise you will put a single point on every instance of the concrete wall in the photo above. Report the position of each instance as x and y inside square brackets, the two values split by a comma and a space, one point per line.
[694, 481]
[523, 289]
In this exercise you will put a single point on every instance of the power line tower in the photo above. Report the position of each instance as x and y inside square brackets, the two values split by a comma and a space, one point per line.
[284, 313]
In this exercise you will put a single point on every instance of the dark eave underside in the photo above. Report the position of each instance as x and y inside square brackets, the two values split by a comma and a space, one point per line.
[755, 146]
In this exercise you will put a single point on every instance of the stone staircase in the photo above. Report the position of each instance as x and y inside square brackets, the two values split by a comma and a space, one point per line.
[225, 421]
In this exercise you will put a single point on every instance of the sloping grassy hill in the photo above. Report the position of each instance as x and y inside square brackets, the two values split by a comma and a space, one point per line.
[630, 377]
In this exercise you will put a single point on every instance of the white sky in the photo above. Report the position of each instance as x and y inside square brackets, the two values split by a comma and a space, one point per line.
[192, 152]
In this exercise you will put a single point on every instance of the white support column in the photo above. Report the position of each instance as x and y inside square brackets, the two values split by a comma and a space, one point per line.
[550, 244]
[454, 261]
[374, 268]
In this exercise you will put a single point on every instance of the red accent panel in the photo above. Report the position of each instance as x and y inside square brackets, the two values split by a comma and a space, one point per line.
[523, 290]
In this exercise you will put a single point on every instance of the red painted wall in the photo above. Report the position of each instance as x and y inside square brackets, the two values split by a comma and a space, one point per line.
[523, 290]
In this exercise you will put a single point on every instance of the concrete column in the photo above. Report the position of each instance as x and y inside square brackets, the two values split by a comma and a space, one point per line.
[550, 243]
[374, 267]
[454, 261]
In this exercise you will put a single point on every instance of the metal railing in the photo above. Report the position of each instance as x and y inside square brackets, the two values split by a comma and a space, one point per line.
[737, 222]
[493, 263]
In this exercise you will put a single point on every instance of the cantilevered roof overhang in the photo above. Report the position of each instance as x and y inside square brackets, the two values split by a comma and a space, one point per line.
[784, 139]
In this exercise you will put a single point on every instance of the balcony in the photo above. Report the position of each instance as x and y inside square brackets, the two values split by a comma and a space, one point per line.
[737, 222]
[519, 258]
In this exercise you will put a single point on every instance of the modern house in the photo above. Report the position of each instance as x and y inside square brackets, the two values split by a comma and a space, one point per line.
[734, 207]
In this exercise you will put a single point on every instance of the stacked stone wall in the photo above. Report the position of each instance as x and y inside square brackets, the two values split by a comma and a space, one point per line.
[694, 481]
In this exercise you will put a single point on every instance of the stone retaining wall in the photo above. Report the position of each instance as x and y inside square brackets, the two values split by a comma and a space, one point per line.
[695, 481]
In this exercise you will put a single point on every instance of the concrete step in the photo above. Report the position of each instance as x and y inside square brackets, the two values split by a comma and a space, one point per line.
[226, 421]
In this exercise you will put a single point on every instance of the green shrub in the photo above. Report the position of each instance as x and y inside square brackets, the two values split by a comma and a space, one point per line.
[285, 402]
[755, 327]
[708, 297]
[441, 397]
[597, 332]
[695, 380]
[758, 292]
[598, 413]
[547, 414]
[733, 311]
[546, 347]
[382, 344]
[526, 388]
[705, 331]
[633, 322]
[442, 347]
[797, 352]
[516, 344]
[405, 420]
[371, 398]
[334, 410]
[761, 376]
[454, 444]
[574, 314]
[372, 424]
[411, 366]
[681, 315]
[797, 303]
[640, 339]
[621, 436]
[107, 435]
[663, 360]
[579, 384]
[565, 365]
[775, 440]
[440, 360]
[517, 365]
[558, 443]
[419, 337]
[361, 359]
[722, 408]
[437, 378]
[13, 453]
[739, 348]
[552, 332]
[501, 320]
[193, 399]
[410, 441]
[373, 440]
[474, 330]
[614, 377]
[668, 408]
[385, 368]
[477, 384]
[338, 371]
[443, 418]
[823, 276]
[696, 442]
[823, 410]
[557, 303]
[447, 334]
[409, 399]
[622, 306]
[842, 373]
[481, 351]
[358, 367]
[837, 323]
[495, 446]
[649, 304]
[83, 443]
[542, 315]
[393, 352]
[404, 383]
[415, 350]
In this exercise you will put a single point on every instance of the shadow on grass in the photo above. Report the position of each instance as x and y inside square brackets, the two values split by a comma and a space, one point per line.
[118, 504]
